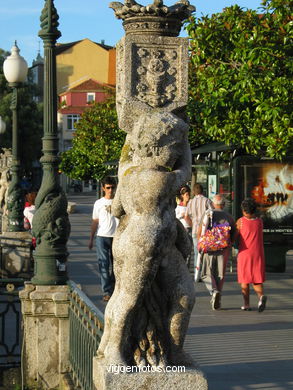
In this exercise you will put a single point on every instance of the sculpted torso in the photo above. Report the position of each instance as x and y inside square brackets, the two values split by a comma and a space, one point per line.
[155, 161]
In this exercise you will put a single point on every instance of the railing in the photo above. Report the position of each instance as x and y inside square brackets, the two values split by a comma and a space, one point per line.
[86, 324]
[10, 315]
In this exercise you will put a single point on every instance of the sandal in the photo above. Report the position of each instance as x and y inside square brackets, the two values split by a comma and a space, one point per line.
[245, 308]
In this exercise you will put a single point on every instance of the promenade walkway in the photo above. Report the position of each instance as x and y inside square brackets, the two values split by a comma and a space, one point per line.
[237, 350]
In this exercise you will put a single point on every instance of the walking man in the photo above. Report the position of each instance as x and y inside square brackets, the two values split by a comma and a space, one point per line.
[104, 226]
[196, 207]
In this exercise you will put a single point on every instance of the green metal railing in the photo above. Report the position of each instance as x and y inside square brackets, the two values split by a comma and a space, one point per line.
[10, 317]
[86, 324]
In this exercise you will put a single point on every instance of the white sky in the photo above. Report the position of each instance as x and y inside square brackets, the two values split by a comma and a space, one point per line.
[93, 19]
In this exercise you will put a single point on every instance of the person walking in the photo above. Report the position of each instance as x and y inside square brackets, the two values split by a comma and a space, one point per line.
[214, 262]
[250, 259]
[104, 226]
[29, 210]
[195, 209]
[180, 211]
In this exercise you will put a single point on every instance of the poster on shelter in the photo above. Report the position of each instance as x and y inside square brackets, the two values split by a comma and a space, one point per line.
[212, 186]
[270, 184]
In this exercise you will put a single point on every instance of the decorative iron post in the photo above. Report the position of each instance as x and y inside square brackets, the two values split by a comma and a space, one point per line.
[51, 225]
[15, 198]
[15, 71]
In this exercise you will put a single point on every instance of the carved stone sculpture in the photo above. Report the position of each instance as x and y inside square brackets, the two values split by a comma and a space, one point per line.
[152, 280]
[5, 179]
[4, 185]
[147, 317]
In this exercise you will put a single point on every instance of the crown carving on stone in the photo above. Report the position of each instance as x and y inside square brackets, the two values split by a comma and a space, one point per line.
[155, 18]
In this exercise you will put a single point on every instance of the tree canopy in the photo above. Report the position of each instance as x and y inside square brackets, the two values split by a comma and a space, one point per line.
[240, 89]
[96, 142]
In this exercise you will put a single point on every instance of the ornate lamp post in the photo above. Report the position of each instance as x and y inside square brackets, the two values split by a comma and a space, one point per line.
[15, 71]
[51, 223]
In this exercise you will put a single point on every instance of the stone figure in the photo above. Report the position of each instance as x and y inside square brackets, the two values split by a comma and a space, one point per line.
[4, 184]
[152, 280]
[147, 316]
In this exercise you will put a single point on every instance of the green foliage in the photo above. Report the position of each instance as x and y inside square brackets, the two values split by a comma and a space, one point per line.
[97, 140]
[30, 119]
[241, 78]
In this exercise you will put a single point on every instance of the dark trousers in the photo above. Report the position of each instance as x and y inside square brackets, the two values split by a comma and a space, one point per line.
[105, 261]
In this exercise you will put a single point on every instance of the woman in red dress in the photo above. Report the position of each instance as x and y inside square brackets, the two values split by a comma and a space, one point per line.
[251, 260]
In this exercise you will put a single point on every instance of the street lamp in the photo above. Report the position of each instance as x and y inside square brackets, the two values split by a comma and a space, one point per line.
[51, 225]
[15, 71]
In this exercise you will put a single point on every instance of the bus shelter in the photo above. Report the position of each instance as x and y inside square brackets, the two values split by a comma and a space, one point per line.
[226, 170]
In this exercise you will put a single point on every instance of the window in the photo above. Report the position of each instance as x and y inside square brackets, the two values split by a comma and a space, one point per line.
[71, 119]
[91, 97]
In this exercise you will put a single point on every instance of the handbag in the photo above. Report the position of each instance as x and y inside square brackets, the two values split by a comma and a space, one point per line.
[214, 239]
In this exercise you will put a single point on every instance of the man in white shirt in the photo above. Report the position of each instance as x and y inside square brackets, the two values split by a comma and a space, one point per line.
[104, 226]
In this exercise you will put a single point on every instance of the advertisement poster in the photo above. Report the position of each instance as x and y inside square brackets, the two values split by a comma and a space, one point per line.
[270, 184]
[212, 185]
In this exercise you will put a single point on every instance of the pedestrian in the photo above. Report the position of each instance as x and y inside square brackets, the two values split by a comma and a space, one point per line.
[250, 259]
[214, 262]
[104, 226]
[195, 209]
[180, 211]
[29, 210]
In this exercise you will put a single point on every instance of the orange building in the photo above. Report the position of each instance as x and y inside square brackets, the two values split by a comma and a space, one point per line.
[83, 60]
[84, 69]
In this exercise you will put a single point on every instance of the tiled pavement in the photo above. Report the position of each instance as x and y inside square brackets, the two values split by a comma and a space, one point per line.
[237, 350]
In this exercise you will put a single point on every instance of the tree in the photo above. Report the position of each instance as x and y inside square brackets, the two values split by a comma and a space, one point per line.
[97, 140]
[240, 78]
[30, 119]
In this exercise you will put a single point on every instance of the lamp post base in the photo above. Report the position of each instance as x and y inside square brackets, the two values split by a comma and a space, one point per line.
[49, 271]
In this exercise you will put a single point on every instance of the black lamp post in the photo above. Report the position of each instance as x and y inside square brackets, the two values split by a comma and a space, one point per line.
[15, 71]
[51, 223]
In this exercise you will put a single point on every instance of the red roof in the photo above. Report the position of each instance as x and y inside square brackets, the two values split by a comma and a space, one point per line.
[72, 110]
[89, 85]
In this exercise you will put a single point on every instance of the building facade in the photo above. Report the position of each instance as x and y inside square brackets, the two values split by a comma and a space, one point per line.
[83, 60]
[72, 104]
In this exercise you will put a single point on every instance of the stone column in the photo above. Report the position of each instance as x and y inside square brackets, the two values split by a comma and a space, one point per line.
[147, 317]
[16, 255]
[46, 335]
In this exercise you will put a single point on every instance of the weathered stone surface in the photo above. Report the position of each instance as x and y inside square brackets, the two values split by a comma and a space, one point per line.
[156, 77]
[46, 337]
[191, 379]
[153, 19]
[71, 206]
[16, 255]
[10, 378]
[5, 178]
[147, 316]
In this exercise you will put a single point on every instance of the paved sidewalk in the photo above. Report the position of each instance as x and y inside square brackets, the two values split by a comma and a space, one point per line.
[245, 350]
[237, 350]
